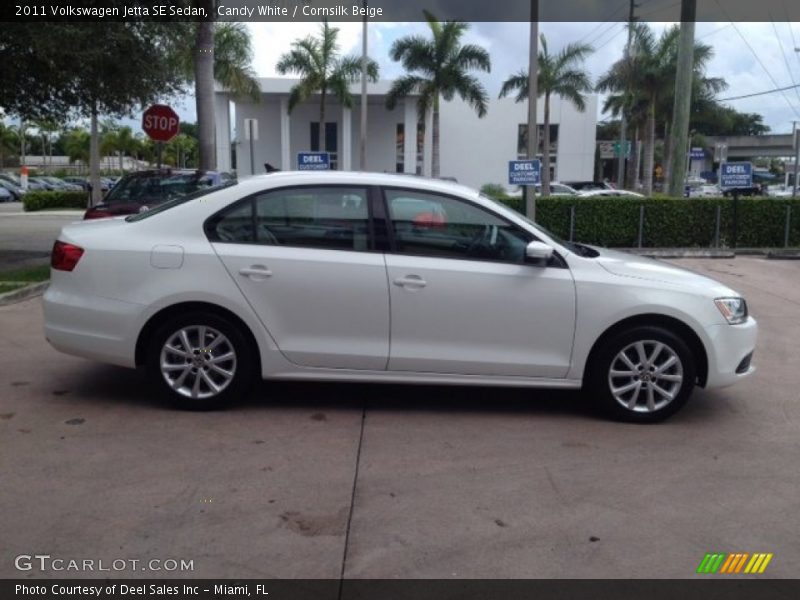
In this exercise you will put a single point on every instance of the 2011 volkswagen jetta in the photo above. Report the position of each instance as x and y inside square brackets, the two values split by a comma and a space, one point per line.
[373, 277]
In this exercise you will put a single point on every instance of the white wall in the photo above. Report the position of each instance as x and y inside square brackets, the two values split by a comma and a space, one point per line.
[476, 151]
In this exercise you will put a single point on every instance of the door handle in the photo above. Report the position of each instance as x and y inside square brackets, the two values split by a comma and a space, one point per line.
[414, 281]
[256, 272]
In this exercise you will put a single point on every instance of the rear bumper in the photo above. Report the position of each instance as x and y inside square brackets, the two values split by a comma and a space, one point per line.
[730, 352]
[92, 327]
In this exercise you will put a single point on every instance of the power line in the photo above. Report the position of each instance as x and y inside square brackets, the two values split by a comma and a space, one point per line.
[659, 10]
[791, 32]
[764, 93]
[702, 37]
[608, 19]
[760, 62]
[786, 59]
[612, 38]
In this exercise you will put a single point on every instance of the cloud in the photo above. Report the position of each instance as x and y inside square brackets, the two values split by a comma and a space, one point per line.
[508, 45]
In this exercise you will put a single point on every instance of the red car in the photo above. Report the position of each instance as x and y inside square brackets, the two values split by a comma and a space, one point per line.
[141, 191]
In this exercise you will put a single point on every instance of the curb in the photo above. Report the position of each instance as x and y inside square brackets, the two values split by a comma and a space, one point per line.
[29, 291]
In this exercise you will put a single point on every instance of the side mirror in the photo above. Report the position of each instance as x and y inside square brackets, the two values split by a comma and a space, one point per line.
[539, 252]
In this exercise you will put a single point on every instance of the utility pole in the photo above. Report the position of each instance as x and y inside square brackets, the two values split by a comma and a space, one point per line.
[533, 96]
[623, 117]
[683, 97]
[796, 140]
[362, 145]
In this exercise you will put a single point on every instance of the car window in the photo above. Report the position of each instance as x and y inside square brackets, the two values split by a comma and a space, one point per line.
[445, 227]
[333, 218]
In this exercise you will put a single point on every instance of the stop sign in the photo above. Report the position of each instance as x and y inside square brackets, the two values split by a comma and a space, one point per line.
[160, 122]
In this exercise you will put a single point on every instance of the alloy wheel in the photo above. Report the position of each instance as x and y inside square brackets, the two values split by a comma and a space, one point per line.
[645, 376]
[198, 362]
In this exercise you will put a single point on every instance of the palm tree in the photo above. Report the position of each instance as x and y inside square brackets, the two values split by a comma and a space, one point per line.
[76, 144]
[207, 52]
[322, 70]
[643, 85]
[439, 67]
[9, 142]
[560, 74]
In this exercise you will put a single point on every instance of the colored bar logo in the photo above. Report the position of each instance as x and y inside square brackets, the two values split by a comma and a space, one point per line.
[737, 562]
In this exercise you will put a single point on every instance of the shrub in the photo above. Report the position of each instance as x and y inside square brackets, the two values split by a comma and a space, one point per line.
[40, 200]
[668, 222]
[493, 190]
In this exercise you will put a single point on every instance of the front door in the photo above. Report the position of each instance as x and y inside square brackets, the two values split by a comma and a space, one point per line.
[464, 301]
[302, 257]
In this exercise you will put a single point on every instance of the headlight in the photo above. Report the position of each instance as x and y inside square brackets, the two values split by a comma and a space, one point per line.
[733, 309]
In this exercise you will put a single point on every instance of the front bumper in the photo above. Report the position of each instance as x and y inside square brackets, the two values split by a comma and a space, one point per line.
[729, 352]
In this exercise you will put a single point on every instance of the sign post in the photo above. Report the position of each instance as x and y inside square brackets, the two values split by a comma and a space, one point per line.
[161, 124]
[251, 134]
[313, 161]
[524, 172]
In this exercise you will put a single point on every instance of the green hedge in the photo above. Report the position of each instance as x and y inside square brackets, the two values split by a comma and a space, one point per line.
[38, 200]
[668, 222]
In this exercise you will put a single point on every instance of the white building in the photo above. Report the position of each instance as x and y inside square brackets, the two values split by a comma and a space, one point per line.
[475, 151]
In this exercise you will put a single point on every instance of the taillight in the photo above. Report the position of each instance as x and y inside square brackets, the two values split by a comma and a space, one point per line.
[65, 256]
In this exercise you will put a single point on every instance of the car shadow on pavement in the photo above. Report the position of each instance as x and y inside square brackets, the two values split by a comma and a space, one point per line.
[102, 384]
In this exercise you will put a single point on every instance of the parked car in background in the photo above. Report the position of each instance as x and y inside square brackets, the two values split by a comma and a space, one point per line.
[587, 186]
[5, 195]
[556, 189]
[779, 191]
[10, 178]
[341, 276]
[15, 191]
[610, 194]
[143, 190]
[61, 184]
[81, 182]
[706, 190]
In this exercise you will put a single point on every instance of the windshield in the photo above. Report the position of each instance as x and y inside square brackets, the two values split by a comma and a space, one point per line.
[178, 200]
[157, 188]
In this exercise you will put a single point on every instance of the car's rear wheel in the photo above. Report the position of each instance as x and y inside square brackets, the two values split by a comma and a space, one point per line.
[200, 361]
[642, 375]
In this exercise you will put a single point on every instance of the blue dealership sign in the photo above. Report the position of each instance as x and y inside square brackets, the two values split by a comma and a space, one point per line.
[736, 175]
[524, 172]
[313, 161]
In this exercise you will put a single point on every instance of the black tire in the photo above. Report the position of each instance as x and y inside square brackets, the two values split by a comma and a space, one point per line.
[633, 405]
[232, 339]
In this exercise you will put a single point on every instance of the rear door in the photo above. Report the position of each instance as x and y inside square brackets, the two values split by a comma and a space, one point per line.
[304, 259]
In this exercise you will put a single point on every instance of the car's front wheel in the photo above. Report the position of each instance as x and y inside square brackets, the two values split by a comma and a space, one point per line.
[200, 361]
[642, 375]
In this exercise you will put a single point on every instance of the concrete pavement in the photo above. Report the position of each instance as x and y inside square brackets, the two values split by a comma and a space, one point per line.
[312, 480]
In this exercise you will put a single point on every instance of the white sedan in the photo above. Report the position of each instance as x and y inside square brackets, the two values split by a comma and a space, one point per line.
[383, 278]
[610, 194]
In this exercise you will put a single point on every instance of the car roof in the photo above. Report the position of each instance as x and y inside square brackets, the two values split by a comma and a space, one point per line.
[290, 178]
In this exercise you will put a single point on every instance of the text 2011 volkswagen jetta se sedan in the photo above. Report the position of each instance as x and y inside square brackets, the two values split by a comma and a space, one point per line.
[372, 277]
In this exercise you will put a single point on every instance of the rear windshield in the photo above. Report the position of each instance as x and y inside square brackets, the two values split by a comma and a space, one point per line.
[159, 208]
[156, 188]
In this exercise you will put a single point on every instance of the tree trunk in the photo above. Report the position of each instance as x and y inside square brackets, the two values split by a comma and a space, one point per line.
[649, 147]
[667, 155]
[546, 148]
[94, 159]
[204, 89]
[321, 134]
[435, 165]
[632, 174]
[22, 143]
[683, 98]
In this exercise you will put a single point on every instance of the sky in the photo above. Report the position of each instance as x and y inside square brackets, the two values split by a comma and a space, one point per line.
[752, 57]
[755, 65]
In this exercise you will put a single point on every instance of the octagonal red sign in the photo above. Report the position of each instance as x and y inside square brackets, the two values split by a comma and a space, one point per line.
[160, 122]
